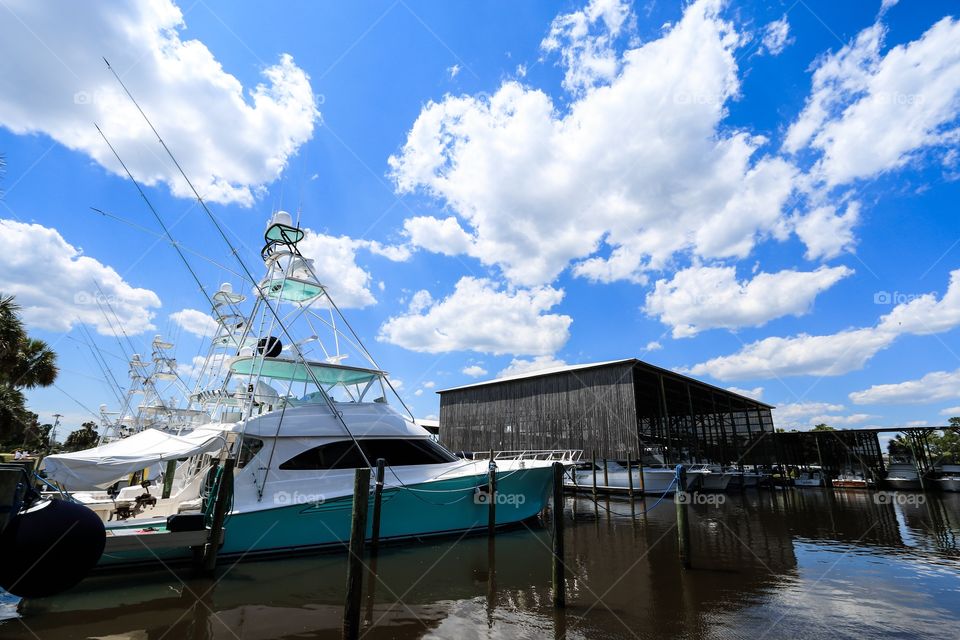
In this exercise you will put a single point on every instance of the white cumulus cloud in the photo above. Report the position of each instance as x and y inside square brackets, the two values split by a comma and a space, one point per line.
[231, 140]
[632, 171]
[871, 112]
[706, 297]
[756, 393]
[474, 371]
[826, 232]
[335, 264]
[776, 36]
[519, 366]
[841, 352]
[584, 39]
[56, 285]
[480, 316]
[196, 322]
[933, 387]
[794, 413]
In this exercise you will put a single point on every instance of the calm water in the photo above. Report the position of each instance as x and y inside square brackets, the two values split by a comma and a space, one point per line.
[786, 564]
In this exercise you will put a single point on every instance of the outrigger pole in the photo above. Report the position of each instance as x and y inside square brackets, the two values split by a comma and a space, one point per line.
[243, 265]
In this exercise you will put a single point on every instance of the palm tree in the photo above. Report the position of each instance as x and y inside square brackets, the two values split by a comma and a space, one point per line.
[25, 363]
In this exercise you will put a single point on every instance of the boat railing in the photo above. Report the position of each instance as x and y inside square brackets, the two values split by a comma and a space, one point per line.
[560, 455]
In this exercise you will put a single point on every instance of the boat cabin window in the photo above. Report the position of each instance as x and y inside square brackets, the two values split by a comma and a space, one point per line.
[344, 454]
[249, 447]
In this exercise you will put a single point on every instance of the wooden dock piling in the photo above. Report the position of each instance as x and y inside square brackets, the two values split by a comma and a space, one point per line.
[358, 531]
[683, 525]
[222, 500]
[629, 477]
[643, 483]
[168, 474]
[606, 474]
[557, 574]
[593, 459]
[491, 496]
[377, 500]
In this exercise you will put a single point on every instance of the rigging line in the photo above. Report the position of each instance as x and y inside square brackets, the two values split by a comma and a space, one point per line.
[85, 407]
[107, 372]
[156, 215]
[113, 330]
[100, 349]
[236, 255]
[153, 233]
[106, 301]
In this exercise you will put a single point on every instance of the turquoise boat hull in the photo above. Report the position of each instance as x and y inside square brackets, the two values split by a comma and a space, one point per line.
[440, 507]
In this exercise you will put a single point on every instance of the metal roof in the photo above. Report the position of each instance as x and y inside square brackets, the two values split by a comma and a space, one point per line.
[538, 373]
[576, 367]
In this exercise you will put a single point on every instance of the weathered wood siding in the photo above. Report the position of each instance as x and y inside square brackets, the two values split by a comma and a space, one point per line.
[583, 409]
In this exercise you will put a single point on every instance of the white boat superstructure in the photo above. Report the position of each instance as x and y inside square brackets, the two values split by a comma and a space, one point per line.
[652, 480]
[810, 478]
[903, 476]
[949, 478]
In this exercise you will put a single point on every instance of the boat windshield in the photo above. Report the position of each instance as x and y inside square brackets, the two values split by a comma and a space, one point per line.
[396, 452]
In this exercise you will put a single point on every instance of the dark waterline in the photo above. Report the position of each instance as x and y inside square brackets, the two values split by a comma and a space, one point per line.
[796, 563]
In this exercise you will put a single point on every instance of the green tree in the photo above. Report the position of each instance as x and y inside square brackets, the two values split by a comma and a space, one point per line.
[823, 427]
[945, 445]
[900, 448]
[83, 438]
[25, 363]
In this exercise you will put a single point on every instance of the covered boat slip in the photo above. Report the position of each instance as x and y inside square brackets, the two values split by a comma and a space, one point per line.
[616, 409]
[102, 466]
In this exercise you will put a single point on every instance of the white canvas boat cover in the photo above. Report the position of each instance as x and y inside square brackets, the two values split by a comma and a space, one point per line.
[101, 466]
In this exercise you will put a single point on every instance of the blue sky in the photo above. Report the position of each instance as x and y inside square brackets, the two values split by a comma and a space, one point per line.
[762, 195]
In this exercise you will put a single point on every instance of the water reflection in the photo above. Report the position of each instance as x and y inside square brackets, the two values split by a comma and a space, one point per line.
[767, 564]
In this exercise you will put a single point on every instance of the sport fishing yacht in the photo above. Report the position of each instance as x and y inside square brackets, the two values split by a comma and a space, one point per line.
[298, 421]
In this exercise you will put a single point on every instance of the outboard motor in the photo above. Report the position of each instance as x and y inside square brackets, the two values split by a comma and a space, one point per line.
[46, 546]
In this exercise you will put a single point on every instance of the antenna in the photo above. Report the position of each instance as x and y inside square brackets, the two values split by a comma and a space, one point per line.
[53, 430]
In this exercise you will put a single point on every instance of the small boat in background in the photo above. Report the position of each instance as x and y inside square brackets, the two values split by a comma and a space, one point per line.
[654, 481]
[808, 479]
[852, 480]
[949, 479]
[713, 478]
[903, 477]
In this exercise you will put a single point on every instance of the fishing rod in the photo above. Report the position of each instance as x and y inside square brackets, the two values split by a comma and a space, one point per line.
[276, 315]
[156, 215]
